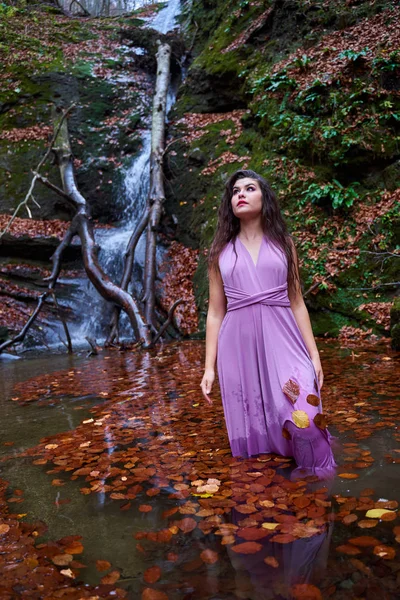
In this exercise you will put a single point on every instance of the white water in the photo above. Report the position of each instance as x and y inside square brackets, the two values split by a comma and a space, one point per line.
[93, 311]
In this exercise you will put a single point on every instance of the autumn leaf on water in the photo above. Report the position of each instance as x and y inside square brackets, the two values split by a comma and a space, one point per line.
[377, 513]
[62, 560]
[152, 574]
[152, 594]
[270, 526]
[247, 548]
[209, 556]
[349, 475]
[385, 552]
[368, 523]
[364, 541]
[271, 561]
[187, 524]
[348, 549]
[102, 565]
[305, 591]
[111, 578]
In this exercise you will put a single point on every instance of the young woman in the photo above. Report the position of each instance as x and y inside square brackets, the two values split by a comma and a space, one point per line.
[259, 332]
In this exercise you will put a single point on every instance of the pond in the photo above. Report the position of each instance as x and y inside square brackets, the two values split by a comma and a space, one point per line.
[121, 484]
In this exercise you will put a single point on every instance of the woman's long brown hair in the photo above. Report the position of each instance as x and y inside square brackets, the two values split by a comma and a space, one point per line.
[273, 224]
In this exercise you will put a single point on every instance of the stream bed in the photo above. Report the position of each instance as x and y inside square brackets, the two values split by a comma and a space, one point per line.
[121, 451]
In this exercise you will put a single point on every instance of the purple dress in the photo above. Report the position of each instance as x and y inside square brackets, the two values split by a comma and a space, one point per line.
[269, 388]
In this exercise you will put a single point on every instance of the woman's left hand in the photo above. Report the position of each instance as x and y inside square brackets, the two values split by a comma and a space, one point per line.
[316, 361]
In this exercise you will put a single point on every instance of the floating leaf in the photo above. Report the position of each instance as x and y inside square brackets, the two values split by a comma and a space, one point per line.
[271, 561]
[270, 526]
[102, 565]
[349, 519]
[291, 389]
[145, 508]
[313, 400]
[246, 509]
[68, 573]
[251, 533]
[187, 524]
[349, 475]
[152, 594]
[152, 574]
[62, 560]
[111, 578]
[305, 591]
[347, 549]
[385, 552]
[247, 548]
[300, 419]
[377, 513]
[209, 557]
[286, 434]
[368, 523]
[364, 541]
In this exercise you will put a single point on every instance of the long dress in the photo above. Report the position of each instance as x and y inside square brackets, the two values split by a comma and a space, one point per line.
[269, 388]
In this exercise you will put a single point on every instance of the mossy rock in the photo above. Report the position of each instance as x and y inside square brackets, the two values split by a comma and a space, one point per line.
[3, 334]
[395, 324]
[328, 323]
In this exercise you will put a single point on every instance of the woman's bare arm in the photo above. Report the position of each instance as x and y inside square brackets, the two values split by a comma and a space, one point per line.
[302, 317]
[215, 316]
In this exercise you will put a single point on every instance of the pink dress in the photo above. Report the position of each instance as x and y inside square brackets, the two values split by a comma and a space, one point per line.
[269, 388]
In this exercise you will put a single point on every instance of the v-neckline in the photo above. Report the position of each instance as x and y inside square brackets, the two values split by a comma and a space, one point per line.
[248, 252]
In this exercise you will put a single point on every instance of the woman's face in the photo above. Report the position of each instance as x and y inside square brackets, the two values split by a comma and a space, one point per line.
[246, 198]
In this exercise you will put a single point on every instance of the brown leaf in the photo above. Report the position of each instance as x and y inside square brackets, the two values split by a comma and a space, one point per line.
[305, 591]
[111, 578]
[320, 421]
[247, 548]
[313, 400]
[152, 594]
[386, 552]
[209, 556]
[102, 565]
[291, 389]
[271, 561]
[364, 541]
[347, 549]
[187, 524]
[152, 574]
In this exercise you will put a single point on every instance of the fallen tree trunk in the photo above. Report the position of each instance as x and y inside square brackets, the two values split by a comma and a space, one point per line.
[156, 193]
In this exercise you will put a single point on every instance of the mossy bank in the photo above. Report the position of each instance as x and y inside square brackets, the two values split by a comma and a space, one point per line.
[307, 94]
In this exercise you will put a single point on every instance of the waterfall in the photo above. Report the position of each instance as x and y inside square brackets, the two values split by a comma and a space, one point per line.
[92, 310]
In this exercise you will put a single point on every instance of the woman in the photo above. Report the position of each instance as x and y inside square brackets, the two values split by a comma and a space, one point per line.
[259, 332]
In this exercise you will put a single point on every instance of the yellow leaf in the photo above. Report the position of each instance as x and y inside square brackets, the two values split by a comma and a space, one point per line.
[376, 513]
[203, 495]
[271, 526]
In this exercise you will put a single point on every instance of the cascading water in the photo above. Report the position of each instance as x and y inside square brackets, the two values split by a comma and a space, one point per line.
[93, 310]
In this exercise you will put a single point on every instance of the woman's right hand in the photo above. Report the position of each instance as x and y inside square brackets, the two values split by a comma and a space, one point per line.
[206, 384]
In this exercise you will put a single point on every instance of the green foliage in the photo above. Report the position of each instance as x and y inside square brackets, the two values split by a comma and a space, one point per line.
[386, 63]
[353, 56]
[333, 193]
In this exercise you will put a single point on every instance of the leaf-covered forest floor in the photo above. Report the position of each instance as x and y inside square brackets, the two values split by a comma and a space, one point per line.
[133, 490]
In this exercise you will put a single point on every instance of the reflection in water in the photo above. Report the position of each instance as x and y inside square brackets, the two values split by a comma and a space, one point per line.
[123, 477]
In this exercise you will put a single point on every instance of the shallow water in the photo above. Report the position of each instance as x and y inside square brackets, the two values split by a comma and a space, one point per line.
[138, 422]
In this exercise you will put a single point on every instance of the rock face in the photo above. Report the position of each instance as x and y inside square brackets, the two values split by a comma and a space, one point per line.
[395, 324]
[295, 92]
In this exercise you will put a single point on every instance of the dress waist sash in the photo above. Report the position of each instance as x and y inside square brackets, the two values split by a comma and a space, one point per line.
[238, 298]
